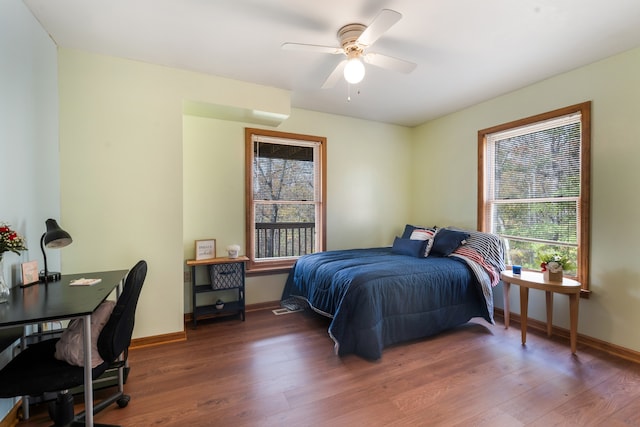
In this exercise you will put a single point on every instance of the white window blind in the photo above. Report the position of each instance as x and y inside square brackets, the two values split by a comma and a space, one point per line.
[533, 187]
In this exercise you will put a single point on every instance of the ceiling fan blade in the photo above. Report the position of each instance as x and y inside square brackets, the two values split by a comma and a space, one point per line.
[312, 48]
[335, 75]
[389, 62]
[380, 24]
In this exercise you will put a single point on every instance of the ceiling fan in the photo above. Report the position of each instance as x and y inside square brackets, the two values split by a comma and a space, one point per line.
[354, 40]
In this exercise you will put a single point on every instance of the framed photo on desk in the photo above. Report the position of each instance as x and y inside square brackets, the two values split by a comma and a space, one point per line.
[29, 273]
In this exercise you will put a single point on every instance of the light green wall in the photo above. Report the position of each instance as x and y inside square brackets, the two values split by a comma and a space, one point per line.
[449, 146]
[367, 185]
[121, 151]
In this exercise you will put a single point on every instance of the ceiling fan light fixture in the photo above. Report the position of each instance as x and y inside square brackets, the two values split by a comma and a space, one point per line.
[354, 70]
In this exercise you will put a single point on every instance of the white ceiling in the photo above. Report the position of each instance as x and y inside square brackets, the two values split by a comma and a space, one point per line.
[467, 51]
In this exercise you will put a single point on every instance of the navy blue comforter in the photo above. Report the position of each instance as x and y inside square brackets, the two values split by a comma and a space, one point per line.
[377, 298]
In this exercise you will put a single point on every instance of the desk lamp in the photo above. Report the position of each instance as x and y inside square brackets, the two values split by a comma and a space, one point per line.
[54, 237]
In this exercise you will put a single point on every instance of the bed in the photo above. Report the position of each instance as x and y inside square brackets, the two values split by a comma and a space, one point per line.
[377, 297]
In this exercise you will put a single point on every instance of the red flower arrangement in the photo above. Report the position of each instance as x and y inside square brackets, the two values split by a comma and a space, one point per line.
[10, 241]
[555, 262]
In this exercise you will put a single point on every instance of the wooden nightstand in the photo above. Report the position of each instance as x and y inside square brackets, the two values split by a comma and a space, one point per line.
[531, 279]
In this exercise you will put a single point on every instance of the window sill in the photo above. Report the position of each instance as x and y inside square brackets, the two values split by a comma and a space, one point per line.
[264, 270]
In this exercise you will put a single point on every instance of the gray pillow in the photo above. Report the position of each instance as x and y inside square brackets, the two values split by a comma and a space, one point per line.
[69, 347]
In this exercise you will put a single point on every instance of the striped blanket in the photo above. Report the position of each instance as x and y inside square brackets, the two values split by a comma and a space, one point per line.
[484, 254]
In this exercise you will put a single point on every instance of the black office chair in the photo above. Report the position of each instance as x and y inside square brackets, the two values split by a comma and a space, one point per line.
[35, 371]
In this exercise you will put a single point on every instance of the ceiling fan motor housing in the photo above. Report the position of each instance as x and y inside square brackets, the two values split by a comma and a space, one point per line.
[348, 36]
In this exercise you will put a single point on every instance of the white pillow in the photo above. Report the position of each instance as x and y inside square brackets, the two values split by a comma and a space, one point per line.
[424, 234]
[70, 347]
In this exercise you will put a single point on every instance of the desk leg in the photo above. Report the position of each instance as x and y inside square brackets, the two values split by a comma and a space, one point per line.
[549, 298]
[574, 300]
[524, 307]
[505, 295]
[88, 380]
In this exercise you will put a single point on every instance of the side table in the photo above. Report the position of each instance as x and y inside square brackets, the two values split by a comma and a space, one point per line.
[225, 274]
[535, 280]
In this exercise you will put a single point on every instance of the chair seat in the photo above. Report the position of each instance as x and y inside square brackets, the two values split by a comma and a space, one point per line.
[35, 371]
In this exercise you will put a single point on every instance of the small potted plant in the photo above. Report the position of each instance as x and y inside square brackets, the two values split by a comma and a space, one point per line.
[553, 265]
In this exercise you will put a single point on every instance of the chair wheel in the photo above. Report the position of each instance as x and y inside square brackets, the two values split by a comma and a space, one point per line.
[123, 401]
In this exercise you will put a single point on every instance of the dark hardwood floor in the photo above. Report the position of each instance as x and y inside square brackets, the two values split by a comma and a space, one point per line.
[281, 371]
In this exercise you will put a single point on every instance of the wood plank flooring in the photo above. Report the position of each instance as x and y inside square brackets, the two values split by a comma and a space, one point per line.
[281, 371]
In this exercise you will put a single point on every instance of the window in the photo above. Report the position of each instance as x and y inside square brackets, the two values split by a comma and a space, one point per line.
[285, 198]
[534, 181]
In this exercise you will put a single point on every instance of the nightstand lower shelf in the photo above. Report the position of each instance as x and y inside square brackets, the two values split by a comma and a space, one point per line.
[231, 307]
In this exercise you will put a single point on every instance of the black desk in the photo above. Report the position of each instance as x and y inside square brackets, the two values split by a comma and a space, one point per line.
[56, 301]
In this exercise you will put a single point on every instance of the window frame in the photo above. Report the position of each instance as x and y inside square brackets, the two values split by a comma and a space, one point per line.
[280, 265]
[584, 203]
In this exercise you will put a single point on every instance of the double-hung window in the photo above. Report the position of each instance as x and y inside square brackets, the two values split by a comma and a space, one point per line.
[285, 197]
[534, 187]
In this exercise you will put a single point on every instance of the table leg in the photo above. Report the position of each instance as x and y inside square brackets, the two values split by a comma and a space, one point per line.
[88, 378]
[573, 321]
[549, 298]
[505, 295]
[524, 307]
[193, 296]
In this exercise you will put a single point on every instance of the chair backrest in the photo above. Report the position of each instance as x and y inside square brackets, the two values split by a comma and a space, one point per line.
[116, 334]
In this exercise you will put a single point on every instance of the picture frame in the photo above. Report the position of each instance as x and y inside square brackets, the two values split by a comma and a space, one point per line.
[205, 249]
[30, 273]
